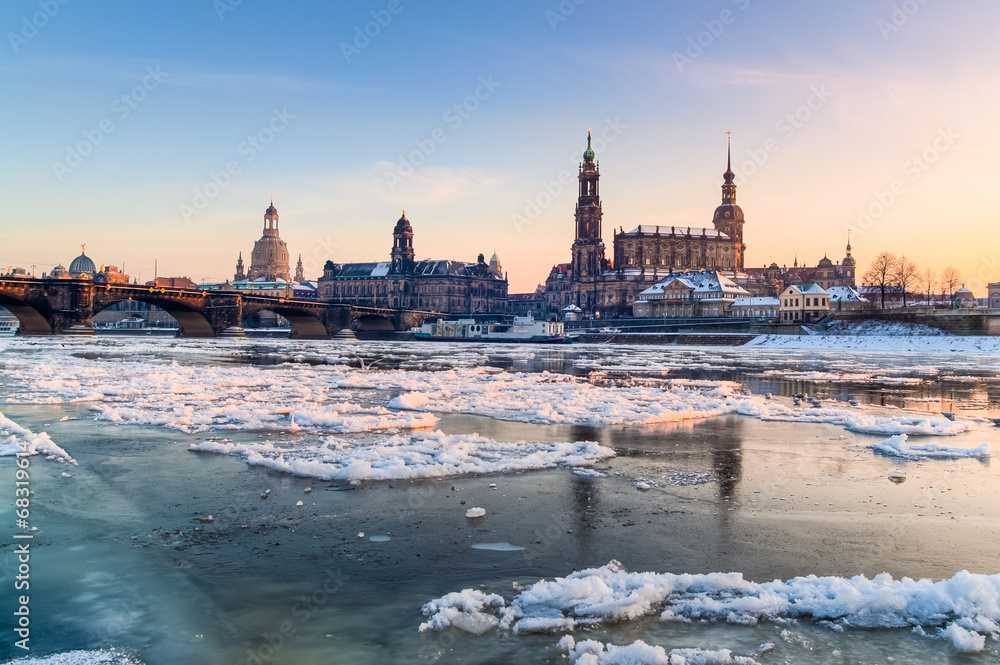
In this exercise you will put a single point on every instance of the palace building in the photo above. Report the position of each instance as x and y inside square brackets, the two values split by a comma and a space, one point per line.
[641, 257]
[402, 282]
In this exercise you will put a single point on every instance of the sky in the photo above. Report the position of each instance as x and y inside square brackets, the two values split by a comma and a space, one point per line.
[157, 133]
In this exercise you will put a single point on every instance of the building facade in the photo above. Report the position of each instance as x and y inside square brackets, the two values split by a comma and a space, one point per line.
[689, 294]
[641, 257]
[756, 307]
[804, 303]
[402, 282]
[846, 299]
[994, 291]
[773, 279]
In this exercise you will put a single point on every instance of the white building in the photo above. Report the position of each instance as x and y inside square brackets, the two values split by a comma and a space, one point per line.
[694, 293]
[756, 308]
[846, 299]
[804, 303]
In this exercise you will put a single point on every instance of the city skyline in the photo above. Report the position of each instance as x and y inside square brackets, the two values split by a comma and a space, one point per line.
[834, 111]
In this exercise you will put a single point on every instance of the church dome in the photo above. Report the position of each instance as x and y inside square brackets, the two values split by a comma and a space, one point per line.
[728, 212]
[589, 155]
[82, 265]
[271, 210]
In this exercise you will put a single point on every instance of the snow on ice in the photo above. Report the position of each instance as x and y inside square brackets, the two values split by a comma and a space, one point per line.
[592, 652]
[426, 455]
[963, 609]
[336, 398]
[20, 440]
[896, 446]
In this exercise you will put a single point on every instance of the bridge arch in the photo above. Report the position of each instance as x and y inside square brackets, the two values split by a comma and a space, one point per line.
[367, 322]
[192, 322]
[306, 322]
[33, 322]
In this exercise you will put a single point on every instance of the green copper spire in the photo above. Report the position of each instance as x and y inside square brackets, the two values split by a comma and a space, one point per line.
[589, 155]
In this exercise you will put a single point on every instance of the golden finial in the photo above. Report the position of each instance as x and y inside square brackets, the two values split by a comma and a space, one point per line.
[83, 248]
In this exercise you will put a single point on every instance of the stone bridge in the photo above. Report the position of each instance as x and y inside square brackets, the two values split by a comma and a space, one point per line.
[68, 306]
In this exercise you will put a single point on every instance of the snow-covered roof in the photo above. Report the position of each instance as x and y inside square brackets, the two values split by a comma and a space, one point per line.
[700, 283]
[845, 294]
[571, 308]
[809, 289]
[644, 229]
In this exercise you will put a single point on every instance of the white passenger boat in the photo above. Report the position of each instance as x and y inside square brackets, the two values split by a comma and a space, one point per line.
[523, 329]
[8, 323]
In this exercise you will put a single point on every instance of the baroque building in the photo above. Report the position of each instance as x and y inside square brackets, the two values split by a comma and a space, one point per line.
[269, 259]
[402, 282]
[642, 256]
[826, 273]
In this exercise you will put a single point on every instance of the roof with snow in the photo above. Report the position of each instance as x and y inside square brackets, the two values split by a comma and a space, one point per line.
[427, 268]
[647, 230]
[845, 294]
[702, 284]
[809, 289]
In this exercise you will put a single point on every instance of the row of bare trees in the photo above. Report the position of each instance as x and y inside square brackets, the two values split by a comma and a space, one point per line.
[889, 272]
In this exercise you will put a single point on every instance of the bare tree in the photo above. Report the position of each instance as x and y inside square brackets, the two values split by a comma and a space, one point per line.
[928, 279]
[950, 281]
[905, 275]
[881, 273]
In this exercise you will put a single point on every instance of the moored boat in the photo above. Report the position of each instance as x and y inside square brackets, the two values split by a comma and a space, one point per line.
[523, 329]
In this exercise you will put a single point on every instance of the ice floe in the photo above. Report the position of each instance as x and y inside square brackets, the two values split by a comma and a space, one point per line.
[21, 440]
[100, 657]
[965, 607]
[897, 446]
[326, 397]
[592, 652]
[426, 455]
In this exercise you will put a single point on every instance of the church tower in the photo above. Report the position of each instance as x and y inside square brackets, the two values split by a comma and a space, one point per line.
[269, 259]
[240, 272]
[299, 271]
[728, 217]
[588, 247]
[850, 265]
[402, 246]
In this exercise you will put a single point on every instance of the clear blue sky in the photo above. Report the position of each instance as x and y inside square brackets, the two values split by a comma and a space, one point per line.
[887, 80]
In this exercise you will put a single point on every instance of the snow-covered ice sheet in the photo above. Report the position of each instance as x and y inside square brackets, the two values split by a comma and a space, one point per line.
[15, 439]
[428, 455]
[331, 397]
[592, 652]
[897, 446]
[882, 342]
[970, 602]
[101, 657]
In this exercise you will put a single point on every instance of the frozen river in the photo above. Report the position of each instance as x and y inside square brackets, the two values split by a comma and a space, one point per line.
[305, 502]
